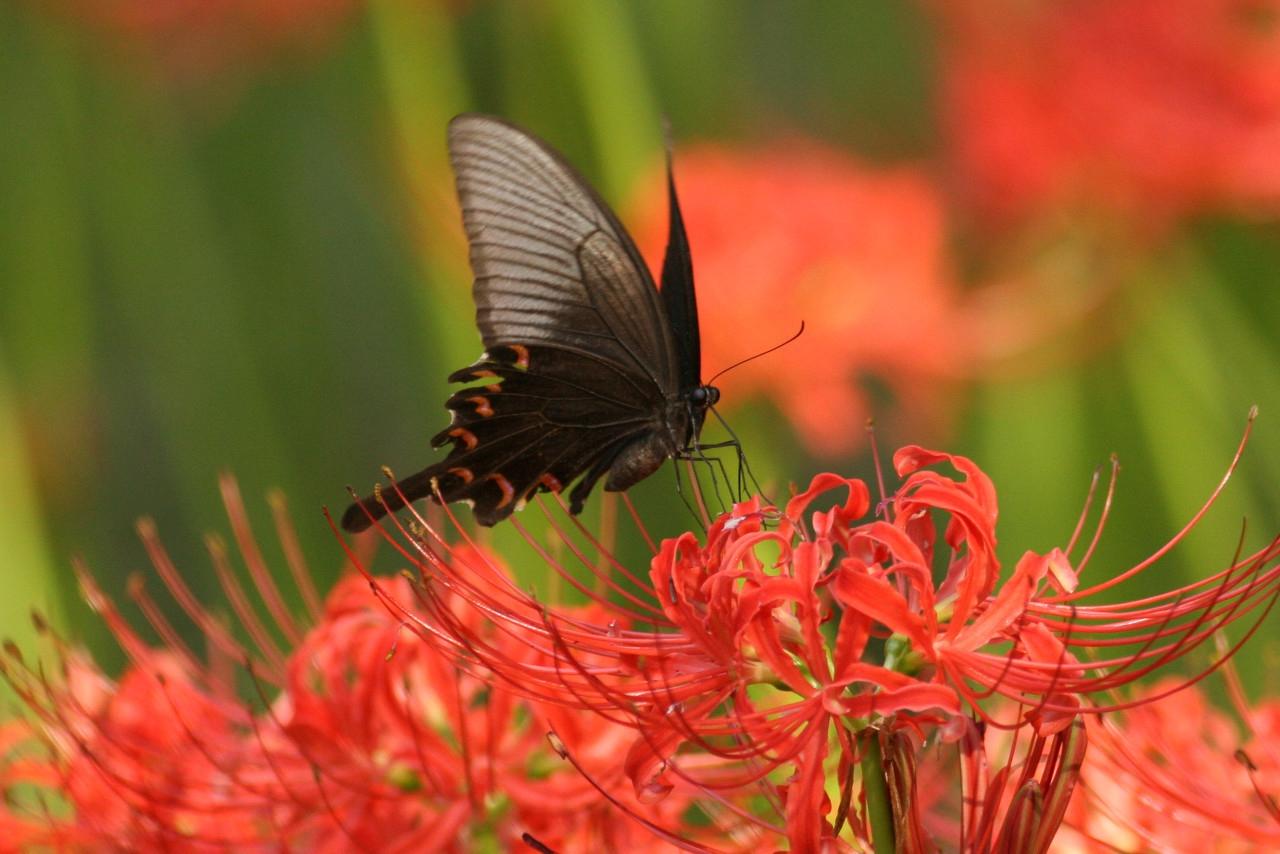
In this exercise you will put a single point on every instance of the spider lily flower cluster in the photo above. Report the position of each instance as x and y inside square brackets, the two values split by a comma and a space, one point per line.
[827, 674]
[751, 663]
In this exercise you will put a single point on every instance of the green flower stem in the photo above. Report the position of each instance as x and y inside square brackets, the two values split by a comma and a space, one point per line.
[879, 811]
[29, 569]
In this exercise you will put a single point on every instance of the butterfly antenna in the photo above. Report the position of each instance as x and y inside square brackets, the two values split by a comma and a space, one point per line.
[741, 362]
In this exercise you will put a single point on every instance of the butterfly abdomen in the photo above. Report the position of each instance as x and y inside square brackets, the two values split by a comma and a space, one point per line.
[637, 460]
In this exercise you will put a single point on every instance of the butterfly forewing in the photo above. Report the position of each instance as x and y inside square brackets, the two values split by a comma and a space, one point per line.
[551, 263]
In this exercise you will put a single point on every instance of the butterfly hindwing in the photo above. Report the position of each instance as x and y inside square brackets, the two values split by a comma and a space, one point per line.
[551, 263]
[541, 420]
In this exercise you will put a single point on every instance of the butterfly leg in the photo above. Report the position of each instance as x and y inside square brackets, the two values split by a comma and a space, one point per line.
[695, 450]
[696, 454]
[698, 517]
[743, 465]
[700, 455]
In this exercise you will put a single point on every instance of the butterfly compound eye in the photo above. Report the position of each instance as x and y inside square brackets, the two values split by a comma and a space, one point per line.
[704, 395]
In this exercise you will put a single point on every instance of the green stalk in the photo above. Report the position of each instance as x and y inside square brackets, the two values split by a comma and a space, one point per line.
[423, 88]
[28, 567]
[1186, 411]
[874, 784]
[616, 95]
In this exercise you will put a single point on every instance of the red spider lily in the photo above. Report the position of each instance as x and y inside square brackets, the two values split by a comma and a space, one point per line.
[721, 666]
[1181, 776]
[777, 673]
[1150, 108]
[1007, 790]
[749, 656]
[369, 739]
[857, 254]
[193, 39]
[1031, 639]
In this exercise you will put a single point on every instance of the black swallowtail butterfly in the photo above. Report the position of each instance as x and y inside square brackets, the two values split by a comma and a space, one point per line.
[589, 370]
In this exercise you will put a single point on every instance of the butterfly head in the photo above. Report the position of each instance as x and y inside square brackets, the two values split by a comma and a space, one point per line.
[704, 396]
[697, 401]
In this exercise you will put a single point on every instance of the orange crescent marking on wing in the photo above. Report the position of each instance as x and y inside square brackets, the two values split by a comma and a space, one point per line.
[508, 491]
[551, 482]
[483, 409]
[468, 438]
[462, 474]
[485, 372]
[522, 356]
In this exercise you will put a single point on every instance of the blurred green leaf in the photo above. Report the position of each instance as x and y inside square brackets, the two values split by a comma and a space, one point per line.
[1031, 443]
[28, 565]
[616, 95]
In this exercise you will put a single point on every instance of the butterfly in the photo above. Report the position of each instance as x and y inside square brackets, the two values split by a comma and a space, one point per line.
[589, 370]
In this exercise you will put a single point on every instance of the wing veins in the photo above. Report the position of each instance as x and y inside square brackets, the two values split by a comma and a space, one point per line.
[507, 195]
[508, 161]
[531, 186]
[480, 241]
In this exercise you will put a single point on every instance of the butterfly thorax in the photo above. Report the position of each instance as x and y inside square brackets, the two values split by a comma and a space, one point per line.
[643, 455]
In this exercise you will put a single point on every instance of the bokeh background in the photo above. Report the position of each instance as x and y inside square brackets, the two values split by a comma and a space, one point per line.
[1033, 233]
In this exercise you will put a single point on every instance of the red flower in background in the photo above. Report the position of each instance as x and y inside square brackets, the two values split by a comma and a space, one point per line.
[192, 39]
[1180, 775]
[1146, 107]
[804, 233]
[366, 738]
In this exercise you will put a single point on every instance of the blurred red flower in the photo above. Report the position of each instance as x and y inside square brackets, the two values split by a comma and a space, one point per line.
[1181, 775]
[367, 737]
[1148, 108]
[193, 39]
[805, 233]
